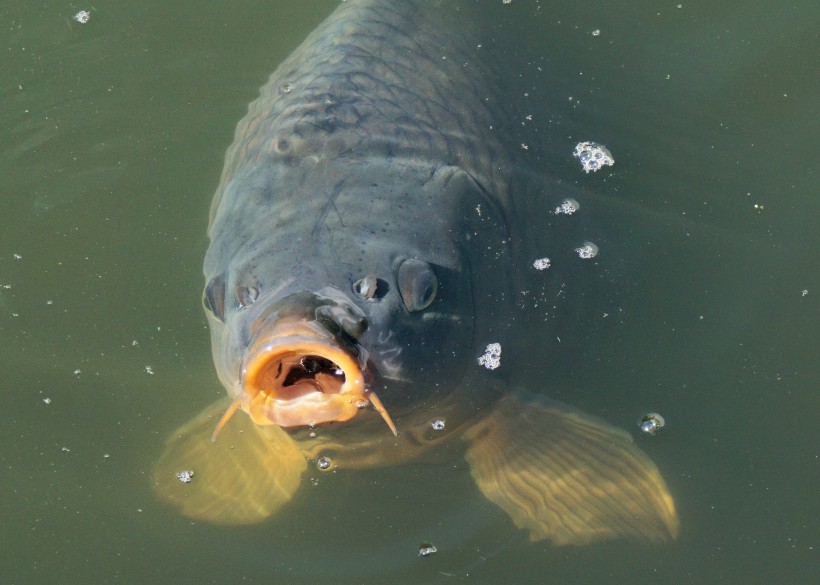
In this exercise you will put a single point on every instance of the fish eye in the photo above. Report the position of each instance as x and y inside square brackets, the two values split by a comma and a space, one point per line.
[213, 297]
[370, 288]
[418, 284]
[246, 295]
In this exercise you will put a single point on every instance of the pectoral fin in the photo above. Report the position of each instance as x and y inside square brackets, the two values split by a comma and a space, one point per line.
[242, 477]
[566, 476]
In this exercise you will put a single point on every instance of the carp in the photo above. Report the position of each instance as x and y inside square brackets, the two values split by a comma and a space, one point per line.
[362, 254]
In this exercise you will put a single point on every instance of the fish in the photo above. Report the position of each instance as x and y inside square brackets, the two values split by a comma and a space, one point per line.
[362, 256]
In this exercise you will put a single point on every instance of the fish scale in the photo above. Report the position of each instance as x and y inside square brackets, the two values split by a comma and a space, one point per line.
[435, 103]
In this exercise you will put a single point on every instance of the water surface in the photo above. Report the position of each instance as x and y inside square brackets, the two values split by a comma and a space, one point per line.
[112, 135]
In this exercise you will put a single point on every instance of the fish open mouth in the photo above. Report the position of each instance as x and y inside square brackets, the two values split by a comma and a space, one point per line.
[299, 375]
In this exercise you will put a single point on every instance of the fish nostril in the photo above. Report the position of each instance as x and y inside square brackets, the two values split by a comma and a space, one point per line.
[366, 287]
[370, 288]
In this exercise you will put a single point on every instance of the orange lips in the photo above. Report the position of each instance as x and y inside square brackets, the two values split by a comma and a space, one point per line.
[298, 375]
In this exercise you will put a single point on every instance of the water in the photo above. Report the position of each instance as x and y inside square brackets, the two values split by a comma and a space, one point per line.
[112, 135]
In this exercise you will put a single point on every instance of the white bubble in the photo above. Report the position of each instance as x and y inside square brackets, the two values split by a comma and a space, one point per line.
[438, 424]
[652, 423]
[186, 475]
[542, 263]
[492, 356]
[82, 16]
[593, 156]
[587, 250]
[567, 207]
[426, 549]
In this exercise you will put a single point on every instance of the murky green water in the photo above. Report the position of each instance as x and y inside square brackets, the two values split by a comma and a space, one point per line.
[112, 136]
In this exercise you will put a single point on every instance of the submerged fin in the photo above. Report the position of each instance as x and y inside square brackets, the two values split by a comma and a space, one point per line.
[244, 477]
[566, 476]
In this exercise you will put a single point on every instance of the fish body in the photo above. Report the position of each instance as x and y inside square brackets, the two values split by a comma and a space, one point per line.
[360, 257]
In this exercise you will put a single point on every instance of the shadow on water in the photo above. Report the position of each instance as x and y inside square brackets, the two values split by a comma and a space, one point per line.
[702, 304]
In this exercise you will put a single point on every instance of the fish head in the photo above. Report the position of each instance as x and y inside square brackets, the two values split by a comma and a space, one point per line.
[318, 305]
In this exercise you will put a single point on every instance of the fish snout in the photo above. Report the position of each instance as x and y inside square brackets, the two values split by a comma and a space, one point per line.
[298, 374]
[304, 366]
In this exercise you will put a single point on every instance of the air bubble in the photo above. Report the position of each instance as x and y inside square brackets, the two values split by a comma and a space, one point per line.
[652, 423]
[587, 251]
[185, 476]
[567, 207]
[323, 463]
[542, 263]
[492, 356]
[593, 156]
[426, 549]
[438, 424]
